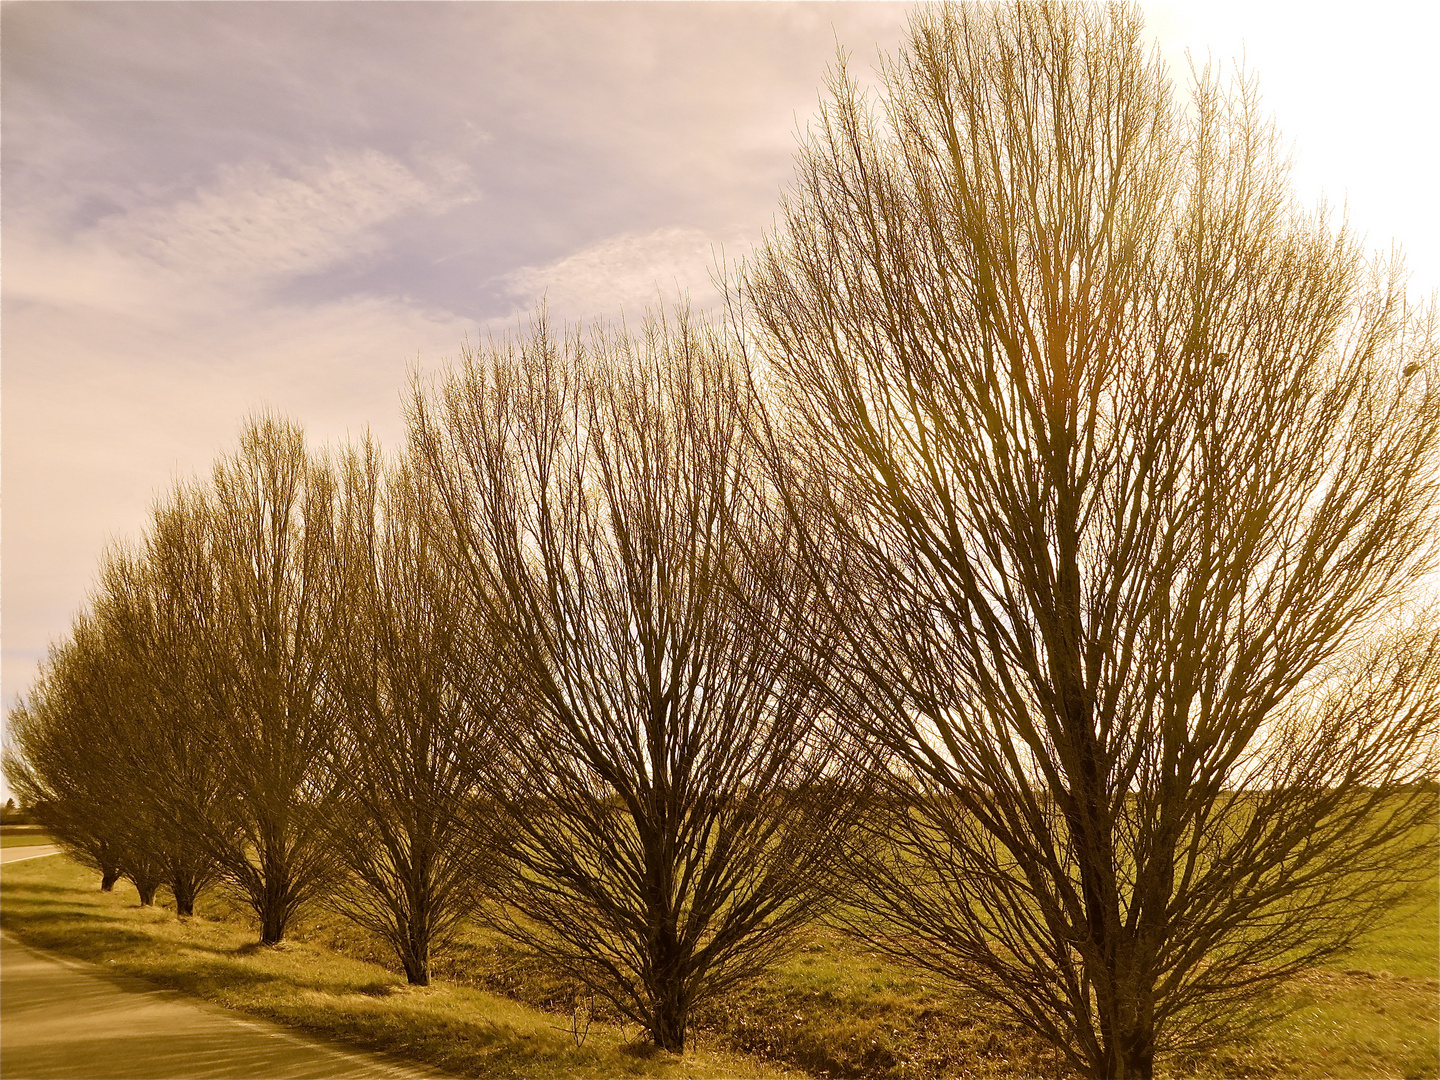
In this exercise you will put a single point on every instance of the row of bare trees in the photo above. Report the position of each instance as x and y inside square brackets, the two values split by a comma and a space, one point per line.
[1027, 576]
[187, 697]
[545, 668]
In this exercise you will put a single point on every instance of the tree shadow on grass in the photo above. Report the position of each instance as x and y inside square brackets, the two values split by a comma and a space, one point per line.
[26, 888]
[80, 933]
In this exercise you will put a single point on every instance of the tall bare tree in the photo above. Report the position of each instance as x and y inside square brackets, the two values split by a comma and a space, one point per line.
[674, 812]
[272, 512]
[158, 605]
[418, 694]
[1124, 471]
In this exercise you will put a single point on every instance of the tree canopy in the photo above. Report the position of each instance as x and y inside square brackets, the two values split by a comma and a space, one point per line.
[1128, 467]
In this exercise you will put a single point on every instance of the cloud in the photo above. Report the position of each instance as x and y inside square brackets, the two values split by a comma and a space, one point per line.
[255, 224]
[136, 346]
[624, 274]
[250, 231]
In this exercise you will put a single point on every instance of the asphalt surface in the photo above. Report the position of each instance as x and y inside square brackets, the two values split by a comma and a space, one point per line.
[61, 1018]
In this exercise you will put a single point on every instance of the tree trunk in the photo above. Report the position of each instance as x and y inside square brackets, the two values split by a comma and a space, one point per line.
[417, 970]
[668, 1025]
[669, 1011]
[184, 890]
[272, 898]
[272, 924]
[273, 909]
[1127, 1043]
[146, 889]
[415, 953]
[1130, 1056]
[108, 876]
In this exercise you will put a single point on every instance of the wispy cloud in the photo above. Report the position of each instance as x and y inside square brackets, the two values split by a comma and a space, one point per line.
[249, 231]
[178, 251]
[626, 273]
[256, 224]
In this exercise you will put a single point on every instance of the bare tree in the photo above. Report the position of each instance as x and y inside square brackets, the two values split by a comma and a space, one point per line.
[674, 812]
[158, 607]
[272, 514]
[418, 696]
[1122, 470]
[62, 765]
[77, 735]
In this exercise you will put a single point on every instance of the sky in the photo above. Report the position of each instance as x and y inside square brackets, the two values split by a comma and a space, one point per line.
[214, 208]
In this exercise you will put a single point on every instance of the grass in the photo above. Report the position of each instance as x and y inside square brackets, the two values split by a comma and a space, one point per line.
[837, 1009]
[457, 1030]
[23, 836]
[1409, 945]
[834, 1009]
[1373, 1012]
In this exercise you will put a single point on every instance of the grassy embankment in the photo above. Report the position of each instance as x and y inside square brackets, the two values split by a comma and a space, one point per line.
[456, 1030]
[834, 1009]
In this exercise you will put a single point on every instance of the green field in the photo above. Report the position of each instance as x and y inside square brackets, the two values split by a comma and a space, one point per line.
[834, 1009]
[23, 836]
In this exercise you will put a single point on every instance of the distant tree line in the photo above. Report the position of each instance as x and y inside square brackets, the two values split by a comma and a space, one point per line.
[1026, 576]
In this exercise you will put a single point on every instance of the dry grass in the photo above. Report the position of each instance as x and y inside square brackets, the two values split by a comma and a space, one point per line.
[835, 1009]
[455, 1030]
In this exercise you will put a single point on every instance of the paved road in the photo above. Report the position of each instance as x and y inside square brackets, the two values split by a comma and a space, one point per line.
[63, 1018]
